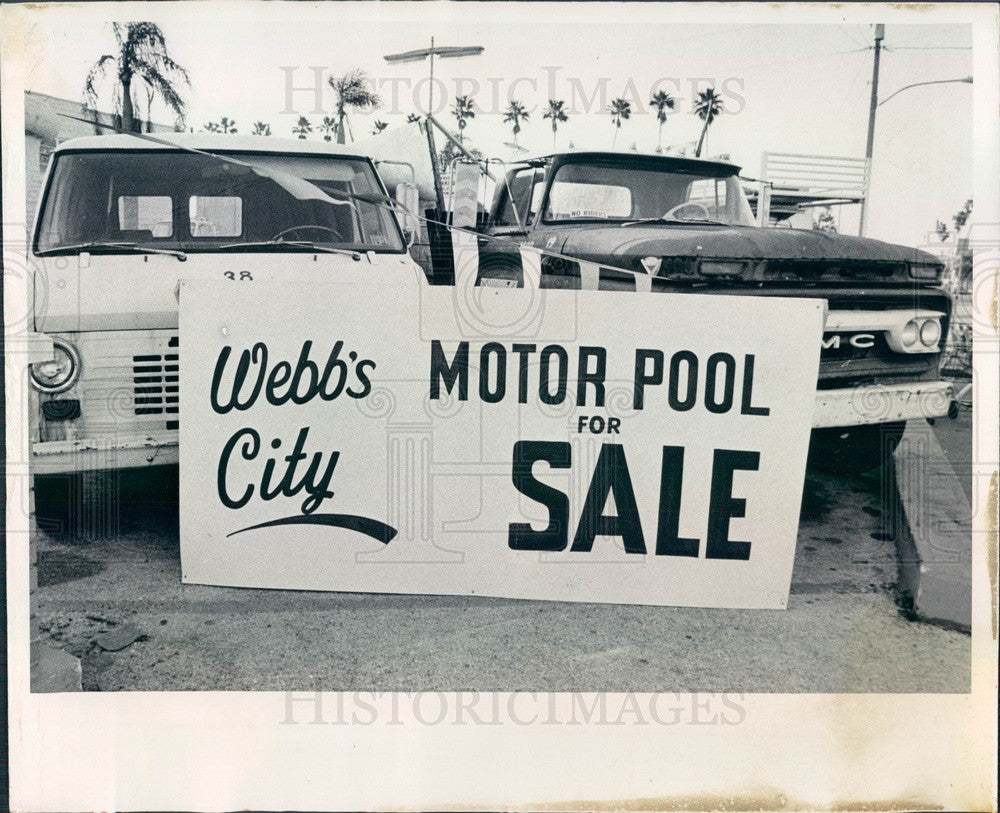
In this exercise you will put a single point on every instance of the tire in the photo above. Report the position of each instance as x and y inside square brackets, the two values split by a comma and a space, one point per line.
[82, 506]
[854, 449]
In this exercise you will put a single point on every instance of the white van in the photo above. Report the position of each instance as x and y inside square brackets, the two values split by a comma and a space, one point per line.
[122, 219]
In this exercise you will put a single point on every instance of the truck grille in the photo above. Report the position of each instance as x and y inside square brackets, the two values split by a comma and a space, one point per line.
[155, 384]
[834, 271]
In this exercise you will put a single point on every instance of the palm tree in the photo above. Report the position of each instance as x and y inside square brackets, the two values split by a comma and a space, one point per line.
[379, 126]
[462, 111]
[620, 109]
[557, 114]
[141, 58]
[150, 94]
[302, 127]
[227, 125]
[663, 102]
[212, 127]
[261, 128]
[328, 128]
[708, 106]
[354, 90]
[514, 115]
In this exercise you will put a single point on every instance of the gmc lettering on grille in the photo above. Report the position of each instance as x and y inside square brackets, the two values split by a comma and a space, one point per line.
[860, 340]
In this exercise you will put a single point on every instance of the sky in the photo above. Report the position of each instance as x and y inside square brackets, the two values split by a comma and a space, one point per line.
[787, 88]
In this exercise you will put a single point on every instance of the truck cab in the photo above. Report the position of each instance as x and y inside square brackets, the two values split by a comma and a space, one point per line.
[122, 219]
[659, 223]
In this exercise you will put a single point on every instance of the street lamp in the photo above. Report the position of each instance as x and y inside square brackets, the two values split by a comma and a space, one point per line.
[444, 52]
[967, 80]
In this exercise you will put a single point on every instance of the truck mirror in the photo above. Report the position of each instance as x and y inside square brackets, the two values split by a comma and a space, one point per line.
[408, 199]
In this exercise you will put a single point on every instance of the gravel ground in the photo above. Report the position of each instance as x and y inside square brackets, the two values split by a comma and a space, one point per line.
[842, 631]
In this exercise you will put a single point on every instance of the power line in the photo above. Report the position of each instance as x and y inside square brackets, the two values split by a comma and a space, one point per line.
[805, 58]
[851, 85]
[696, 37]
[928, 48]
[844, 30]
[935, 31]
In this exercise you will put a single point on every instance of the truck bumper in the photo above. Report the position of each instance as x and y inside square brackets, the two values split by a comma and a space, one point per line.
[92, 454]
[854, 406]
[857, 406]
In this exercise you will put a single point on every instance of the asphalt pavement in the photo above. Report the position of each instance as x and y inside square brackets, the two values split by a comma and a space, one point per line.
[955, 437]
[118, 605]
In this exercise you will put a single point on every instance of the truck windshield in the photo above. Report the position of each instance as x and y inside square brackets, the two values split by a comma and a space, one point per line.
[622, 193]
[191, 202]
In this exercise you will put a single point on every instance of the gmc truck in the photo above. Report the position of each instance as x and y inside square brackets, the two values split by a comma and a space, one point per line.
[628, 222]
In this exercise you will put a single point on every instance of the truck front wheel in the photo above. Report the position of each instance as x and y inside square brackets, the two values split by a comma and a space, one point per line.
[854, 449]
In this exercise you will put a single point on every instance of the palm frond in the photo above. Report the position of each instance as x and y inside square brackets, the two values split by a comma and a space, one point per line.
[662, 101]
[709, 105]
[98, 71]
[141, 54]
[152, 74]
[354, 89]
[555, 111]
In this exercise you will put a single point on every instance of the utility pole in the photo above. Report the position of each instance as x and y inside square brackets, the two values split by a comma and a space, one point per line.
[444, 52]
[873, 106]
[435, 169]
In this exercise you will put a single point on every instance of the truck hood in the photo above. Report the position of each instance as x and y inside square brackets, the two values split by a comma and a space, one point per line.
[619, 245]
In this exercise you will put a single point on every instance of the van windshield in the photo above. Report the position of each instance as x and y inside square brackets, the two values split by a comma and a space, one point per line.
[191, 202]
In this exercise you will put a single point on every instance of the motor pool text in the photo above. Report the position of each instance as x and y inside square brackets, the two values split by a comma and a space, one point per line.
[720, 383]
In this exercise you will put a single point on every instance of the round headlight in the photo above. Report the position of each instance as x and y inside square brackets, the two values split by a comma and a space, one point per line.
[60, 372]
[911, 333]
[930, 332]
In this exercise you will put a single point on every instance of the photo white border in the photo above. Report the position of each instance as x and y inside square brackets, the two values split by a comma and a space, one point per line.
[227, 750]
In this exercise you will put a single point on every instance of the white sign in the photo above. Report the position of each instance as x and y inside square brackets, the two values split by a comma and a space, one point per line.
[568, 445]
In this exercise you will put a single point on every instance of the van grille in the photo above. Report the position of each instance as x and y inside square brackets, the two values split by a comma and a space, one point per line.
[155, 384]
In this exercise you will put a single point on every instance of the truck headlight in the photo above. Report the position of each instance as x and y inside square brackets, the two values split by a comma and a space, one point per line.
[926, 270]
[60, 372]
[911, 333]
[930, 333]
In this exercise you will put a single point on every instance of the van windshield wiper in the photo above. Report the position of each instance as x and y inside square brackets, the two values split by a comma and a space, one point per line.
[299, 245]
[112, 246]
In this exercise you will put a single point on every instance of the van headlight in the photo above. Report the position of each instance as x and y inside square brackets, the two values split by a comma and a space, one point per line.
[60, 372]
